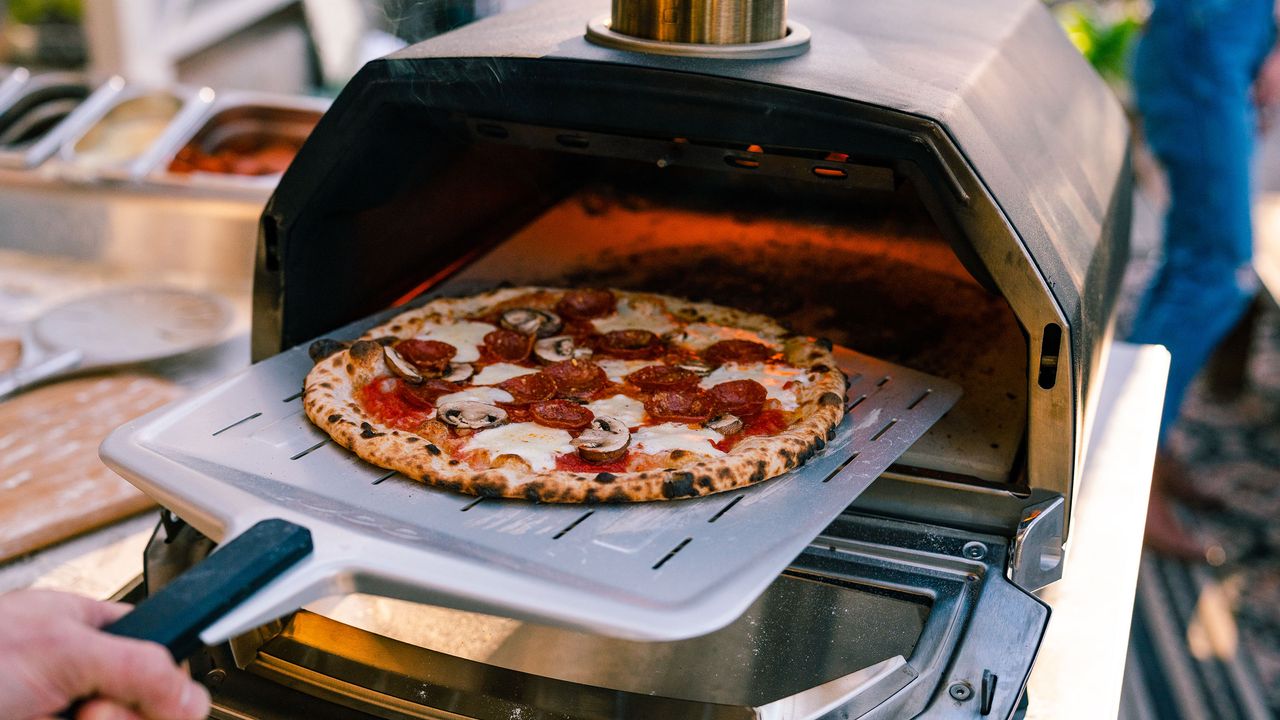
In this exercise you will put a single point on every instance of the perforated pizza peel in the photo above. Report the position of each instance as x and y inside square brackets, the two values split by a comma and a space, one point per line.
[244, 452]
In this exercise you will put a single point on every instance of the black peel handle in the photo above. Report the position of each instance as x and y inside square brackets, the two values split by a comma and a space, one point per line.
[175, 616]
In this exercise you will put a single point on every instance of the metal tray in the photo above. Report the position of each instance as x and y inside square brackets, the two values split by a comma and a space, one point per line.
[191, 104]
[244, 451]
[287, 115]
[72, 90]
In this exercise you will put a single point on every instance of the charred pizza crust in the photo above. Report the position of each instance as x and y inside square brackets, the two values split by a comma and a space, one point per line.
[330, 400]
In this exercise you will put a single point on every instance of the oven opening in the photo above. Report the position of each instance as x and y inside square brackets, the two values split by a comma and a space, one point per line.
[832, 245]
[802, 632]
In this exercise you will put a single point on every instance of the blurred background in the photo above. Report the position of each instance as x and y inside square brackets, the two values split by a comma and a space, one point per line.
[312, 45]
[1199, 625]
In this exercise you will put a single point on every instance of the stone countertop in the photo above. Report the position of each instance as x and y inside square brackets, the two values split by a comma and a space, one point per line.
[1079, 671]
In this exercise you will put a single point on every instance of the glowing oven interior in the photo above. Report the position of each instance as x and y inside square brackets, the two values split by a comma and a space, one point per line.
[831, 246]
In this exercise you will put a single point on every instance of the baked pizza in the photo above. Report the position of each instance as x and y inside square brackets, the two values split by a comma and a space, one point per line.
[578, 396]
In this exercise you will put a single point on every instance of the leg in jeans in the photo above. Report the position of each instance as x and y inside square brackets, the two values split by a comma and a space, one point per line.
[1193, 77]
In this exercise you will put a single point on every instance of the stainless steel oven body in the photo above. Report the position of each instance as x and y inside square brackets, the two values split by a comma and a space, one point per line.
[943, 185]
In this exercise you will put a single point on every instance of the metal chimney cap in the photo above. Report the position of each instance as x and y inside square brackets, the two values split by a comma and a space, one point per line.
[737, 29]
[709, 22]
[795, 42]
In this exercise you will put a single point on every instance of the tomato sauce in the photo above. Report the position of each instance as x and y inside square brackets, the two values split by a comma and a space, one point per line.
[768, 422]
[572, 463]
[381, 400]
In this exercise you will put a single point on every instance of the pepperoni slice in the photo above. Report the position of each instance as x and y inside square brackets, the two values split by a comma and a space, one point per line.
[631, 344]
[427, 355]
[425, 394]
[585, 304]
[508, 345]
[740, 397]
[516, 413]
[736, 351]
[525, 389]
[562, 414]
[576, 376]
[662, 377]
[689, 405]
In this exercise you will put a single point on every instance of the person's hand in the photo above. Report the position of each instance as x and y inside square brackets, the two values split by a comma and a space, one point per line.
[52, 653]
[1266, 89]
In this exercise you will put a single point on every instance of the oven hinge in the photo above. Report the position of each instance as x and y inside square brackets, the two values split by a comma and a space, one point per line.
[1035, 557]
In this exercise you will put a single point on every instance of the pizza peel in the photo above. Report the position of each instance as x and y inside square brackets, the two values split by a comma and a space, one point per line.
[298, 518]
[121, 326]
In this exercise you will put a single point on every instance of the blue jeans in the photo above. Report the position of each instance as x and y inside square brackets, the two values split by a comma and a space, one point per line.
[1193, 74]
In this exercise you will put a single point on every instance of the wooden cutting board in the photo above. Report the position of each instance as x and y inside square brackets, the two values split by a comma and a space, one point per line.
[52, 484]
[10, 354]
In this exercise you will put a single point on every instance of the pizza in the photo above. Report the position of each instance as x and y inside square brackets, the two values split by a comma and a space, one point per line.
[578, 396]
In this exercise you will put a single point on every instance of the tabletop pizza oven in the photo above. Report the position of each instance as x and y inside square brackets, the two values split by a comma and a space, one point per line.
[940, 185]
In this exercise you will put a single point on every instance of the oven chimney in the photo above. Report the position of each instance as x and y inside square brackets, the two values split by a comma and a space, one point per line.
[726, 29]
[708, 22]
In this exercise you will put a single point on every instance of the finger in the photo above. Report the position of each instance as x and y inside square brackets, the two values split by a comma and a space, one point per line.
[51, 603]
[106, 710]
[106, 612]
[137, 674]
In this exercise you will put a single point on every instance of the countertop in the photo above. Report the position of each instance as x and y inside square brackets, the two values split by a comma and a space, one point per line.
[1080, 667]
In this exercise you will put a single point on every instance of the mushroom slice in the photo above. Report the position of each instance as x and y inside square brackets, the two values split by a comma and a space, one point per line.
[531, 322]
[606, 439]
[559, 348]
[725, 424]
[471, 415]
[457, 372]
[400, 366]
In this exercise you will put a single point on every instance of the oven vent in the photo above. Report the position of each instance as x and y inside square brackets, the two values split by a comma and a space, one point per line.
[732, 29]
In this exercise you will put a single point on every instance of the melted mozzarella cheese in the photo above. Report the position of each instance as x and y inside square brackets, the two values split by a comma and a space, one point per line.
[772, 377]
[465, 335]
[636, 315]
[617, 370]
[699, 336]
[666, 437]
[494, 374]
[620, 407]
[534, 443]
[489, 395]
